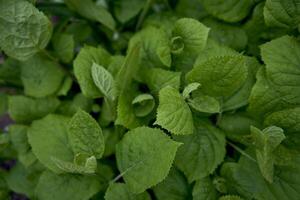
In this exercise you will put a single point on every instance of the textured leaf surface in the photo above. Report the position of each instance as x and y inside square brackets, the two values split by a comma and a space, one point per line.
[82, 69]
[85, 135]
[201, 152]
[24, 29]
[145, 151]
[173, 113]
[48, 138]
[61, 187]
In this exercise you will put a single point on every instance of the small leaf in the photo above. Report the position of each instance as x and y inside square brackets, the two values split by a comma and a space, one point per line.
[173, 113]
[104, 81]
[205, 104]
[189, 89]
[143, 104]
[85, 135]
[64, 45]
[145, 151]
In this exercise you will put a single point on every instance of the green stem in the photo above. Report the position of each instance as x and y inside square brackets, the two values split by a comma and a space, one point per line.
[143, 14]
[241, 151]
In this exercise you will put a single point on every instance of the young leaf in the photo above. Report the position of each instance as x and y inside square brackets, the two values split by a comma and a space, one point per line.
[104, 81]
[65, 186]
[145, 151]
[82, 69]
[24, 29]
[48, 138]
[205, 104]
[201, 152]
[189, 89]
[143, 104]
[117, 191]
[266, 142]
[173, 113]
[85, 135]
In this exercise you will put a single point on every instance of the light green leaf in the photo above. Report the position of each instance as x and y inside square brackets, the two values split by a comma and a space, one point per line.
[48, 138]
[189, 89]
[202, 151]
[266, 142]
[157, 78]
[65, 86]
[104, 81]
[127, 9]
[117, 191]
[64, 44]
[174, 187]
[24, 29]
[85, 135]
[92, 11]
[220, 76]
[41, 77]
[61, 187]
[194, 36]
[282, 14]
[89, 166]
[204, 189]
[230, 10]
[143, 104]
[24, 109]
[173, 113]
[82, 69]
[205, 104]
[145, 151]
[289, 121]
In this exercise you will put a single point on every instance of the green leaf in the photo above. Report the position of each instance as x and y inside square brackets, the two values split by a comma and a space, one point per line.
[145, 151]
[143, 104]
[125, 10]
[230, 10]
[92, 11]
[104, 81]
[204, 190]
[65, 186]
[201, 152]
[205, 104]
[10, 72]
[289, 121]
[173, 113]
[3, 104]
[220, 76]
[87, 56]
[85, 135]
[282, 14]
[230, 197]
[48, 138]
[64, 44]
[174, 187]
[189, 89]
[266, 142]
[194, 36]
[157, 78]
[117, 191]
[24, 29]
[41, 77]
[89, 166]
[24, 109]
[112, 136]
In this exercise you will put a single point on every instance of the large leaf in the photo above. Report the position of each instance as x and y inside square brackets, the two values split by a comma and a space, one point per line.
[201, 152]
[173, 113]
[145, 151]
[283, 14]
[82, 69]
[24, 29]
[48, 138]
[85, 135]
[61, 187]
[41, 77]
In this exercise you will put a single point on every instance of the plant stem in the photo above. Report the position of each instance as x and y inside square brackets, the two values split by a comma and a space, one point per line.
[241, 151]
[143, 14]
